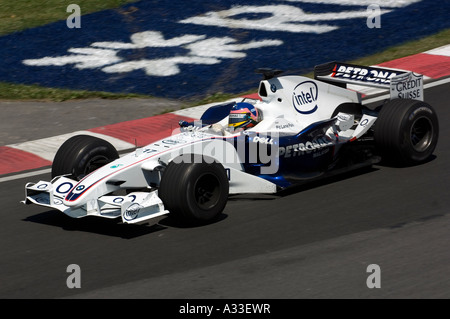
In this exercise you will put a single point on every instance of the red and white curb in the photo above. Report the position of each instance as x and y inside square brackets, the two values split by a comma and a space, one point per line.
[124, 136]
[433, 64]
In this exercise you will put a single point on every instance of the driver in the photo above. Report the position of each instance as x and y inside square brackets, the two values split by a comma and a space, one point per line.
[243, 116]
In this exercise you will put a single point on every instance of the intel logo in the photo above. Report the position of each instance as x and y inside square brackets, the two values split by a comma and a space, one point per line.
[304, 97]
[132, 211]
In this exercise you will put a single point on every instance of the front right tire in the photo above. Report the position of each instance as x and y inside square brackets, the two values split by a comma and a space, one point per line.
[194, 189]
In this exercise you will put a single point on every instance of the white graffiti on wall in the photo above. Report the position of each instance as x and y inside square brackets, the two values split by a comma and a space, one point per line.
[274, 18]
[200, 50]
[288, 18]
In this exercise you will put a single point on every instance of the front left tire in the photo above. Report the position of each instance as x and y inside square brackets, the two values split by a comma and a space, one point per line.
[80, 155]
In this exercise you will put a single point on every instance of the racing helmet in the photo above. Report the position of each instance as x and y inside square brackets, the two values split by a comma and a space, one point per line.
[243, 115]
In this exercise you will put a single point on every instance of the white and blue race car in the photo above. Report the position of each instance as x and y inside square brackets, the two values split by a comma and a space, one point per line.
[300, 129]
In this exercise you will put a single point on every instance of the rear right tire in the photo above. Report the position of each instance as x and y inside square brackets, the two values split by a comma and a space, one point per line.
[406, 132]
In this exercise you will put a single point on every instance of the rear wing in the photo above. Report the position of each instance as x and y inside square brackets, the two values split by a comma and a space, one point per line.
[402, 84]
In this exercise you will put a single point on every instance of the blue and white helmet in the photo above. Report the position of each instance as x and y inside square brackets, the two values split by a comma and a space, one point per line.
[243, 115]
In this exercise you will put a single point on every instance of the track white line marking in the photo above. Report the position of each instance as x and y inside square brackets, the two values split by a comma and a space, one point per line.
[437, 83]
[47, 147]
[24, 175]
[426, 86]
[33, 173]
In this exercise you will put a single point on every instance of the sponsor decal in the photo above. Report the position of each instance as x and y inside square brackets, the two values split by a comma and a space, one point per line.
[284, 126]
[64, 188]
[407, 86]
[364, 74]
[43, 199]
[304, 97]
[364, 122]
[171, 142]
[302, 148]
[132, 211]
[263, 140]
[420, 109]
[149, 150]
[321, 152]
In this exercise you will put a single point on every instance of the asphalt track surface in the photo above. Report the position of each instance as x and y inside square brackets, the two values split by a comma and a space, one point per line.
[19, 119]
[313, 242]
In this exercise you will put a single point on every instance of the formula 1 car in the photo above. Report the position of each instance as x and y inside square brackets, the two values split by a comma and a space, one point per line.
[307, 129]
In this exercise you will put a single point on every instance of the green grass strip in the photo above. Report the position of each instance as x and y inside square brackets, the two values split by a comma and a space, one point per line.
[18, 15]
[9, 91]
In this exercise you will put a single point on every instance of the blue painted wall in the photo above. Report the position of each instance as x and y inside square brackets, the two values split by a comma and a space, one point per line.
[23, 55]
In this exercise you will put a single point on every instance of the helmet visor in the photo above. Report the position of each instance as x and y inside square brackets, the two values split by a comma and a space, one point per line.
[238, 119]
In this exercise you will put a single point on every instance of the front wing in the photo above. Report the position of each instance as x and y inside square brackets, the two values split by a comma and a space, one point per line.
[133, 208]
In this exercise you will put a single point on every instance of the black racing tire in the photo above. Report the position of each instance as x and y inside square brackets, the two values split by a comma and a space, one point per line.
[406, 132]
[194, 189]
[81, 155]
